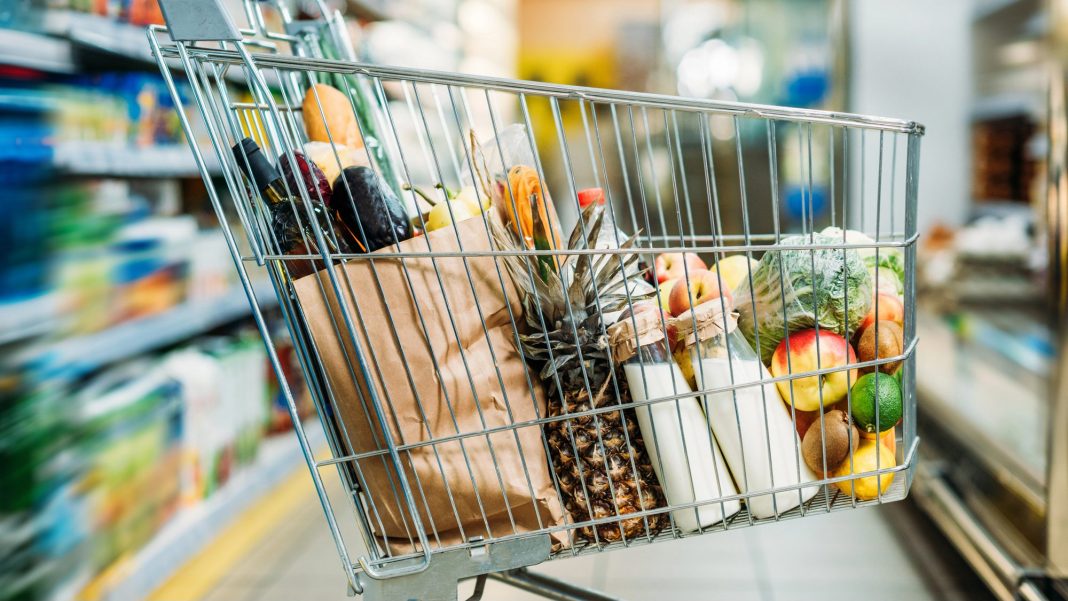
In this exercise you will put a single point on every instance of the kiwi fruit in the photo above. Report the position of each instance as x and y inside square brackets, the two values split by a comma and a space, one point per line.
[889, 344]
[835, 433]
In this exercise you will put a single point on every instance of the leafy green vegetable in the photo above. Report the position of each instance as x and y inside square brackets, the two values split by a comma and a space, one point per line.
[796, 289]
[891, 267]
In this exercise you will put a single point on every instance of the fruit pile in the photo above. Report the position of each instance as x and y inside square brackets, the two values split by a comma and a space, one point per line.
[828, 325]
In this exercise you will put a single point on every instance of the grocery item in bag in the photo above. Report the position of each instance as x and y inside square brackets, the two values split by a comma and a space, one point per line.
[422, 369]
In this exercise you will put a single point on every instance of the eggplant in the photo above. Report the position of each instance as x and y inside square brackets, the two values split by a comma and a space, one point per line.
[369, 209]
[308, 175]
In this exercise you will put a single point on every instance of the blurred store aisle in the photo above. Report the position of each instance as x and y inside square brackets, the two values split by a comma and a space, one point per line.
[874, 554]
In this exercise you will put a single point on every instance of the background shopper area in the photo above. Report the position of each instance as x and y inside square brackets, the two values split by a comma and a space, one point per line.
[147, 447]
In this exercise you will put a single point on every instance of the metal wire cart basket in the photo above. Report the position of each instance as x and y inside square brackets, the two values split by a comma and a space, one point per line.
[541, 321]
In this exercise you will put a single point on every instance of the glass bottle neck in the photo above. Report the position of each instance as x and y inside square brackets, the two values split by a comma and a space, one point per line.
[274, 193]
[656, 352]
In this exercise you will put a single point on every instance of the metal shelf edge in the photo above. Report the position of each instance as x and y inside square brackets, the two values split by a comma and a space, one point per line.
[119, 160]
[87, 353]
[48, 54]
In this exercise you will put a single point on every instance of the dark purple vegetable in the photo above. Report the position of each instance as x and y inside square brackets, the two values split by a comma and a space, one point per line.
[310, 177]
[369, 209]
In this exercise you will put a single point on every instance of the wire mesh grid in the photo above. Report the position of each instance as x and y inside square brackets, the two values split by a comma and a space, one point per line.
[464, 370]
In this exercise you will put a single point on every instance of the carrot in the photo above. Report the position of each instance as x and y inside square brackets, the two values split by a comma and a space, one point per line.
[525, 185]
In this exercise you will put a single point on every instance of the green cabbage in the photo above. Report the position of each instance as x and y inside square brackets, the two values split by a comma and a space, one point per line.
[891, 268]
[797, 289]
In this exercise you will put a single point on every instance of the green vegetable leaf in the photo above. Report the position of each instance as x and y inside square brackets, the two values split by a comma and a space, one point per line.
[798, 289]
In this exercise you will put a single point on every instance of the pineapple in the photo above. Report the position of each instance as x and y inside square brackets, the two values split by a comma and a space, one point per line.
[597, 470]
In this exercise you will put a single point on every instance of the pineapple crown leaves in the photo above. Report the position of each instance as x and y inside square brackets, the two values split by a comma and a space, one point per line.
[563, 309]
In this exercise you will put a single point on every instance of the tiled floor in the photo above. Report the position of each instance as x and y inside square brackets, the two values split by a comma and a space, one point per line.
[869, 554]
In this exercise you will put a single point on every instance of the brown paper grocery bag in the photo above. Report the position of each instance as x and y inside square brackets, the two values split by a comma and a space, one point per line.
[423, 367]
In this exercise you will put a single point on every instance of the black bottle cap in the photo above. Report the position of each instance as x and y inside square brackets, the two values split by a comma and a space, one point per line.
[258, 167]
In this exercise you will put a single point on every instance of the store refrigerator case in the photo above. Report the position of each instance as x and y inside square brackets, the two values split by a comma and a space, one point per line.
[992, 386]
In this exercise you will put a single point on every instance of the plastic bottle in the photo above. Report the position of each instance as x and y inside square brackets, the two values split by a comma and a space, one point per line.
[611, 237]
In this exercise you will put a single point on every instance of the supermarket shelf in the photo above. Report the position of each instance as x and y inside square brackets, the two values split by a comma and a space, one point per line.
[86, 353]
[87, 34]
[978, 423]
[27, 318]
[193, 529]
[35, 51]
[121, 160]
[1008, 104]
[100, 33]
[994, 456]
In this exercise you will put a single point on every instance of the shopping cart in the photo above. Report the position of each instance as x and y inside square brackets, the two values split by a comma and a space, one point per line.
[443, 481]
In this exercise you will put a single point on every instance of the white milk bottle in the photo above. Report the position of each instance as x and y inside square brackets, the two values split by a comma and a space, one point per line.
[688, 465]
[752, 425]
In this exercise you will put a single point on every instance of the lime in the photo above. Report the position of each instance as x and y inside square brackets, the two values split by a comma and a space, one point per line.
[876, 394]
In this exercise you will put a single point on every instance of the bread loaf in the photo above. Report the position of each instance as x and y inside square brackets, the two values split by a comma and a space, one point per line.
[336, 117]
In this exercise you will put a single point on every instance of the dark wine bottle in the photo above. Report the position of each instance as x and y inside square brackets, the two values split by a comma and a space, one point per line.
[292, 226]
[293, 234]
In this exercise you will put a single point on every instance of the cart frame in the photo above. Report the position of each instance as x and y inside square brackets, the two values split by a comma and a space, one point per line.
[209, 49]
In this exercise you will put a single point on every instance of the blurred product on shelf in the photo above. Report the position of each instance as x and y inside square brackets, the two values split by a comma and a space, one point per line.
[151, 261]
[106, 462]
[128, 432]
[137, 12]
[1003, 168]
[114, 260]
[991, 259]
[122, 108]
[24, 224]
[225, 410]
[279, 420]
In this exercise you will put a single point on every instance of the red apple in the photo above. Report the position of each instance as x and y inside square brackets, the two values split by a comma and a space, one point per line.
[704, 286]
[804, 420]
[890, 309]
[670, 266]
[808, 392]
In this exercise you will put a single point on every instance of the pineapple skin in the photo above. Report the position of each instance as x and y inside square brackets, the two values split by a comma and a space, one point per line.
[599, 474]
[597, 470]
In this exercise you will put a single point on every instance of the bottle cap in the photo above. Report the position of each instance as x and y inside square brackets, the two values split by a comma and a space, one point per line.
[589, 196]
[641, 328]
[254, 163]
[706, 321]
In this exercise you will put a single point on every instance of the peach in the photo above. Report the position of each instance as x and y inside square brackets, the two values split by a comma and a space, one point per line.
[670, 266]
[734, 270]
[890, 309]
[809, 351]
[663, 293]
[704, 286]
